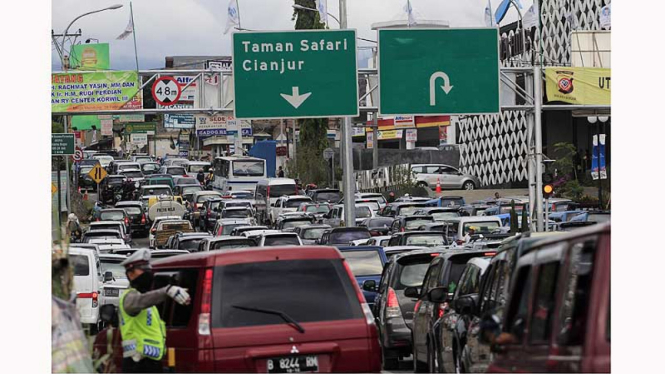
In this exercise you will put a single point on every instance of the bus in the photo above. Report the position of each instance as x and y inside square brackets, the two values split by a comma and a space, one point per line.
[238, 173]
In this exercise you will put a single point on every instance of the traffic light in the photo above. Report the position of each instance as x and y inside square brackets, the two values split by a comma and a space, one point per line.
[548, 190]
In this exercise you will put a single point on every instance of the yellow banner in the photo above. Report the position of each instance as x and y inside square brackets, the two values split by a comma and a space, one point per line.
[583, 86]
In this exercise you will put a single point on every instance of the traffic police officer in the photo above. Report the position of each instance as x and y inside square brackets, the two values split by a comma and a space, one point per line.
[142, 330]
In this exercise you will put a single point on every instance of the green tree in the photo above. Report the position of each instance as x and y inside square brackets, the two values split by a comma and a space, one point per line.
[313, 131]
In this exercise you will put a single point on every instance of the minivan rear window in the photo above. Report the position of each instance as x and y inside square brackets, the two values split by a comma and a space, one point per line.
[364, 263]
[277, 190]
[305, 290]
[281, 240]
[81, 265]
[344, 237]
[412, 273]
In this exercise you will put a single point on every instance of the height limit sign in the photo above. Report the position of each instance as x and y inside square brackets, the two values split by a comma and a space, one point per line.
[166, 91]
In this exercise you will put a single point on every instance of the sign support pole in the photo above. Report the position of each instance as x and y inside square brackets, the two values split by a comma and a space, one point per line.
[59, 202]
[538, 111]
[66, 125]
[347, 166]
[375, 146]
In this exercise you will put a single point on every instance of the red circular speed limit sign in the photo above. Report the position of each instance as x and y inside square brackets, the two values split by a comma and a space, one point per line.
[166, 91]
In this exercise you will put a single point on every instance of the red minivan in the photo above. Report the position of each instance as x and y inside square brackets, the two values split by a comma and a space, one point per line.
[270, 310]
[558, 313]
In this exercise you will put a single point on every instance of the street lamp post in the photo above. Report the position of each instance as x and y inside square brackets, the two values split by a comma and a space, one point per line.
[66, 118]
[64, 34]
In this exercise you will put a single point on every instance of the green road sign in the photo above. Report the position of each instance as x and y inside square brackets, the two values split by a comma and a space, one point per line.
[62, 144]
[438, 71]
[295, 74]
[141, 128]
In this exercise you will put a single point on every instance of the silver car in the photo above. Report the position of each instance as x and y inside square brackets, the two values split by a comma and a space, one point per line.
[451, 178]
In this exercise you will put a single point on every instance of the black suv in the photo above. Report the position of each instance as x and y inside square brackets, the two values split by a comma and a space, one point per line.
[137, 218]
[325, 195]
[418, 238]
[439, 285]
[393, 310]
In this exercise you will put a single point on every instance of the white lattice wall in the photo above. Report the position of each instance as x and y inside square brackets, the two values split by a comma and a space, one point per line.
[494, 148]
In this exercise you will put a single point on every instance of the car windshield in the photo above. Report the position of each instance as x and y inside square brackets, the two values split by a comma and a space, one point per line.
[191, 190]
[176, 170]
[203, 198]
[85, 170]
[444, 215]
[236, 213]
[226, 229]
[413, 273]
[344, 237]
[364, 263]
[313, 234]
[132, 174]
[363, 212]
[425, 240]
[237, 204]
[179, 162]
[149, 167]
[598, 217]
[281, 240]
[407, 210]
[190, 245]
[112, 216]
[106, 226]
[331, 196]
[115, 181]
[122, 167]
[293, 287]
[299, 223]
[132, 210]
[197, 168]
[377, 197]
[480, 227]
[248, 168]
[415, 223]
[243, 195]
[506, 208]
[80, 264]
[294, 203]
[452, 202]
[278, 190]
[186, 181]
[373, 204]
[318, 208]
[230, 244]
[115, 268]
[158, 191]
[379, 223]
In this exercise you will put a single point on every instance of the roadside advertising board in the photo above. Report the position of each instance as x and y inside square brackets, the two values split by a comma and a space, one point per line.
[109, 90]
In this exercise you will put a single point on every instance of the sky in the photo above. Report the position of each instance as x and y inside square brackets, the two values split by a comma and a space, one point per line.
[196, 27]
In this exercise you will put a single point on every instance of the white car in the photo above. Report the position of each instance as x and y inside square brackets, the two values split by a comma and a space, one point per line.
[104, 160]
[278, 239]
[427, 175]
[111, 225]
[87, 284]
[286, 204]
[335, 217]
[114, 278]
[372, 196]
[380, 241]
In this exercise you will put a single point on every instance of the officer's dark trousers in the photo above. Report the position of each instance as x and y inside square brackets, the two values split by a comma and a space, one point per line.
[146, 365]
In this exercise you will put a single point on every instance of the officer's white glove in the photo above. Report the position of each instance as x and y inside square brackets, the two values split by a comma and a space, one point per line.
[178, 294]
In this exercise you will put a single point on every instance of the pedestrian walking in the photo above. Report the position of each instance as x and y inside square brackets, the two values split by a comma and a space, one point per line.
[142, 330]
[280, 172]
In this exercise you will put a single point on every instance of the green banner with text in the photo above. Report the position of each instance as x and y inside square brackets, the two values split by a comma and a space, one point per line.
[112, 90]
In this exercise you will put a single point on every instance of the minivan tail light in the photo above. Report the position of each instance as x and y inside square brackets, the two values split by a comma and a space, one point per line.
[95, 299]
[415, 308]
[126, 221]
[392, 306]
[206, 296]
[143, 219]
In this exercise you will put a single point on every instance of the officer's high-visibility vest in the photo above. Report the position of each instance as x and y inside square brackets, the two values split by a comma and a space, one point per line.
[143, 333]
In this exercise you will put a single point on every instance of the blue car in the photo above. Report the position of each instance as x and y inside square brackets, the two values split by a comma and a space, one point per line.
[366, 263]
[592, 216]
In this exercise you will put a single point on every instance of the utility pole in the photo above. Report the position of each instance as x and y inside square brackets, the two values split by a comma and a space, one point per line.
[538, 108]
[375, 145]
[347, 167]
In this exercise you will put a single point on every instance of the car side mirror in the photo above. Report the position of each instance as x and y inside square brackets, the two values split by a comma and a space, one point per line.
[466, 304]
[108, 314]
[108, 276]
[412, 292]
[438, 295]
[369, 285]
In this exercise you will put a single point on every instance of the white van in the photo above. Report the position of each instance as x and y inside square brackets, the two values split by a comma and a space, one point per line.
[458, 227]
[268, 191]
[87, 284]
